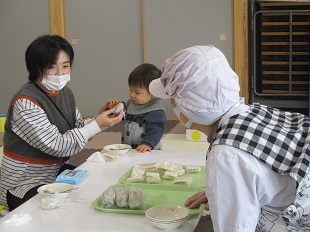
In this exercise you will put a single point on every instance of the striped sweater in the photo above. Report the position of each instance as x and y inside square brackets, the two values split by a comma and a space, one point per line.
[39, 137]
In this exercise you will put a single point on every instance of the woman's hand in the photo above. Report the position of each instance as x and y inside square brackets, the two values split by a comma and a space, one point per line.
[104, 119]
[196, 200]
[143, 148]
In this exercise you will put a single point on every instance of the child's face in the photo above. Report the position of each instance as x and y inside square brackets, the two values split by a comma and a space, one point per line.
[139, 95]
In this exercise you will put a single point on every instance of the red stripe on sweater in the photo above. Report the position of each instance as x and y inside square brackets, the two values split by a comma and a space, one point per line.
[31, 160]
[25, 97]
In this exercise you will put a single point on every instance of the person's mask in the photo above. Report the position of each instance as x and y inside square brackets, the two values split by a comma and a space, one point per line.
[55, 83]
[178, 112]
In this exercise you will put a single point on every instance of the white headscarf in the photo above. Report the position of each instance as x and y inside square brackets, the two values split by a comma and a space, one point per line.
[200, 81]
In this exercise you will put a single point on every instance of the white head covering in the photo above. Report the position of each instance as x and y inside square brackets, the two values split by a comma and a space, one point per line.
[200, 81]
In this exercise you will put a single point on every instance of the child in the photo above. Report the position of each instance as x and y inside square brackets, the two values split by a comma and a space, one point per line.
[145, 119]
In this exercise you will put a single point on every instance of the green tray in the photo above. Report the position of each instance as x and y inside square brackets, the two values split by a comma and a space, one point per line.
[199, 179]
[156, 195]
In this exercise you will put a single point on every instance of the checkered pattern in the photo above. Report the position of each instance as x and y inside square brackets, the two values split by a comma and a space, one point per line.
[278, 138]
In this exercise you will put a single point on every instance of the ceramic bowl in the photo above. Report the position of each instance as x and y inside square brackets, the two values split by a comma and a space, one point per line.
[117, 149]
[56, 187]
[167, 213]
[167, 226]
[167, 217]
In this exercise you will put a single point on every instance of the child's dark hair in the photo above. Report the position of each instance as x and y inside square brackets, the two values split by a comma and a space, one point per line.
[143, 75]
[43, 52]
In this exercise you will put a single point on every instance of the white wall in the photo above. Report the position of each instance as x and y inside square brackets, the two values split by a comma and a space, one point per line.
[172, 25]
[20, 22]
[109, 47]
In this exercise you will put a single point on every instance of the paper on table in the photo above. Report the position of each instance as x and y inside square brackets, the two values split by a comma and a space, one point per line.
[96, 157]
[18, 219]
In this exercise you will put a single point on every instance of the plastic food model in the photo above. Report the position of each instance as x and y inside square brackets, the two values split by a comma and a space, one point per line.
[136, 198]
[118, 108]
[108, 198]
[121, 197]
[154, 173]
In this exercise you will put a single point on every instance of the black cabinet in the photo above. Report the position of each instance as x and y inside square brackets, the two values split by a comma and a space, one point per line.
[280, 54]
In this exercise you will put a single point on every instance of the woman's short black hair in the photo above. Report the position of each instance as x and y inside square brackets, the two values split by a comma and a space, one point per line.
[43, 52]
[143, 75]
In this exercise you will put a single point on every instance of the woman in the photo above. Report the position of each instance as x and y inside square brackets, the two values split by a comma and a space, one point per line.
[44, 127]
[257, 168]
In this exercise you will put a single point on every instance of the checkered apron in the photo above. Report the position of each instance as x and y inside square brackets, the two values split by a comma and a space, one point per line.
[280, 140]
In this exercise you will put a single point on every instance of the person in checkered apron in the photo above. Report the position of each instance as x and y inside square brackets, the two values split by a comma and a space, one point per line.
[257, 164]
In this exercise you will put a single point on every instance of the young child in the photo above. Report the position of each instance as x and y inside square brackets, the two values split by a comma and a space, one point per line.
[145, 119]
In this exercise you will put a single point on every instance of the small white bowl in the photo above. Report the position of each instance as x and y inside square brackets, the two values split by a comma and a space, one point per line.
[56, 187]
[168, 226]
[167, 213]
[117, 149]
[167, 222]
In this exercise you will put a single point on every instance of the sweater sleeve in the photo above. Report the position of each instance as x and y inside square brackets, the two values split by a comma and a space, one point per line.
[30, 122]
[155, 124]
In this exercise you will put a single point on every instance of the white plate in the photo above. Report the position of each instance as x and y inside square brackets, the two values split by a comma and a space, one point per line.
[56, 187]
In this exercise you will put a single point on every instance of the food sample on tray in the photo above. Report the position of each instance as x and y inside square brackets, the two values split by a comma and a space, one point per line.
[135, 179]
[123, 197]
[137, 175]
[110, 157]
[170, 175]
[136, 198]
[190, 169]
[181, 172]
[153, 179]
[151, 167]
[183, 180]
[167, 166]
[137, 171]
[108, 198]
[154, 173]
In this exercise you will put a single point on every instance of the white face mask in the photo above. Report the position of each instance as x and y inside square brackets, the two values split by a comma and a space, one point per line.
[178, 112]
[55, 83]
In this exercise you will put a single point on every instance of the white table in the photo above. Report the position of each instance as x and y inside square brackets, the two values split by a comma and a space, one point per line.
[77, 214]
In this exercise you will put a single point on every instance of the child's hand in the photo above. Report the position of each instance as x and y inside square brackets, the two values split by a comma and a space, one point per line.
[108, 105]
[143, 148]
[112, 103]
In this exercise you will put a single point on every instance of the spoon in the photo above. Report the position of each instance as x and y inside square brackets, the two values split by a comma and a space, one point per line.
[51, 191]
[122, 148]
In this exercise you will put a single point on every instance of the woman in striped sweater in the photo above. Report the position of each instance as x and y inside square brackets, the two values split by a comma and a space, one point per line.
[44, 127]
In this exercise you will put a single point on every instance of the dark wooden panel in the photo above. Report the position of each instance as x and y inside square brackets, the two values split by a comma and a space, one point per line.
[283, 49]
